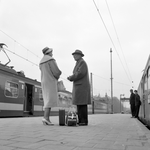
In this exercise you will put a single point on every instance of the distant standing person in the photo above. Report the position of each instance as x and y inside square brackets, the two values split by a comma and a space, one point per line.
[132, 103]
[137, 103]
[50, 74]
[81, 87]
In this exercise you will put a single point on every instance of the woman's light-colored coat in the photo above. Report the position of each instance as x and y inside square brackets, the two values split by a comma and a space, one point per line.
[81, 85]
[49, 77]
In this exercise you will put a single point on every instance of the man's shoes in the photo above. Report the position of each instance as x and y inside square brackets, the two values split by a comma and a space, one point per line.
[82, 124]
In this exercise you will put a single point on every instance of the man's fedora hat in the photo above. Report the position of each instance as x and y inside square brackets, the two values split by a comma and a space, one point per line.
[78, 52]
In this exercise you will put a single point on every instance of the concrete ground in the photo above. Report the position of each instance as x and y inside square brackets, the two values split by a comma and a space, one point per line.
[104, 132]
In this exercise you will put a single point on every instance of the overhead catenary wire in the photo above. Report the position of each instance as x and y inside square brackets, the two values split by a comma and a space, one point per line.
[63, 73]
[118, 39]
[21, 56]
[37, 65]
[109, 80]
[110, 39]
[19, 43]
[32, 53]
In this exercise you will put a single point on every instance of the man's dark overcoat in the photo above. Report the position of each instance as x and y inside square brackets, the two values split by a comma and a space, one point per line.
[132, 99]
[132, 104]
[81, 86]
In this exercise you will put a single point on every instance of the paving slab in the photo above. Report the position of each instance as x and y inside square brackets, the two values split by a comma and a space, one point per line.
[104, 132]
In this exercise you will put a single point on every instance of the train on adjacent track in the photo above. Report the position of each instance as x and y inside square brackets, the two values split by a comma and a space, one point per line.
[19, 95]
[22, 96]
[144, 92]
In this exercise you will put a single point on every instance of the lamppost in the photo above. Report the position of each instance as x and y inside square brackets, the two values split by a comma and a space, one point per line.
[111, 81]
[120, 102]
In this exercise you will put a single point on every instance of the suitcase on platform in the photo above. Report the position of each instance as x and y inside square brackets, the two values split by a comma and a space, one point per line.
[62, 117]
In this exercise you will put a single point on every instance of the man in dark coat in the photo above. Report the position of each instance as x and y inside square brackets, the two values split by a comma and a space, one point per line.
[81, 87]
[132, 103]
[137, 103]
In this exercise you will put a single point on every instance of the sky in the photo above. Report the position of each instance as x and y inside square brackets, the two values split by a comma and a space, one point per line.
[92, 26]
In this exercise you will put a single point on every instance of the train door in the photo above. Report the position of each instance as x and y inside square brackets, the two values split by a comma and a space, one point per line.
[28, 101]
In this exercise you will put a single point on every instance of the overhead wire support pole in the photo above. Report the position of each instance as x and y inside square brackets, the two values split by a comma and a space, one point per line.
[111, 78]
[92, 94]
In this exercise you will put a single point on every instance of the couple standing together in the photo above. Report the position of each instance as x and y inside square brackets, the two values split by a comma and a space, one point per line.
[50, 74]
[135, 103]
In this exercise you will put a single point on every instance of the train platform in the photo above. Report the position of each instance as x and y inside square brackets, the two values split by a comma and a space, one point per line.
[104, 132]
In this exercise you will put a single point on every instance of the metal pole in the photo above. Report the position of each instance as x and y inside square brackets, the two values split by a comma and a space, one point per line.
[92, 94]
[111, 80]
[107, 104]
[120, 103]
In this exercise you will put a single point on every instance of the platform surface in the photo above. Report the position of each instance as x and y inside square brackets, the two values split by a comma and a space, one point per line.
[104, 132]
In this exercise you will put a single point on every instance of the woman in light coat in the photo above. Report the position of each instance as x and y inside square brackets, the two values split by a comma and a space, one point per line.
[50, 74]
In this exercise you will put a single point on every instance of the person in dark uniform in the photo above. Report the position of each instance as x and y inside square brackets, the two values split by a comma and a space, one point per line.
[81, 87]
[137, 103]
[132, 103]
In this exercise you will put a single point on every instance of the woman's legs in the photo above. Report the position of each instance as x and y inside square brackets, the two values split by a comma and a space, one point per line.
[47, 113]
[46, 119]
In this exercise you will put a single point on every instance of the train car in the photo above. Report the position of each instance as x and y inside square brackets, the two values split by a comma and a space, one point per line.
[144, 92]
[99, 108]
[19, 95]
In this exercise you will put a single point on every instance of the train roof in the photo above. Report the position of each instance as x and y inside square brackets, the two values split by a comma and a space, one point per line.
[145, 70]
[20, 74]
[7, 69]
[147, 65]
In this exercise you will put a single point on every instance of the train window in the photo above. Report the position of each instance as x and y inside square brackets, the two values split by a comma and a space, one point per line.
[145, 83]
[35, 89]
[11, 89]
[22, 86]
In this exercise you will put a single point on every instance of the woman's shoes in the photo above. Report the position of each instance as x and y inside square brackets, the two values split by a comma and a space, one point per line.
[46, 122]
